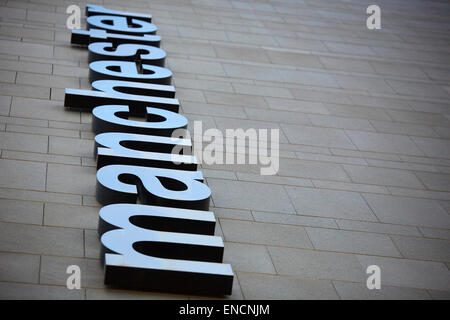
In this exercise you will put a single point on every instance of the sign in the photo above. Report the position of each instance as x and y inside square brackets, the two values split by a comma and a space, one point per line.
[166, 242]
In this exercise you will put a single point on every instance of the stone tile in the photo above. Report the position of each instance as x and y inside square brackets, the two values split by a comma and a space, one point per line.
[19, 267]
[5, 104]
[309, 149]
[56, 61]
[264, 233]
[274, 179]
[248, 258]
[41, 157]
[323, 137]
[241, 53]
[176, 46]
[91, 244]
[415, 193]
[445, 205]
[294, 59]
[91, 201]
[263, 287]
[27, 33]
[424, 160]
[316, 264]
[29, 195]
[329, 203]
[45, 80]
[427, 118]
[277, 116]
[340, 123]
[352, 241]
[71, 216]
[195, 66]
[436, 73]
[7, 76]
[352, 111]
[349, 48]
[378, 142]
[71, 179]
[70, 53]
[230, 194]
[259, 90]
[17, 291]
[227, 123]
[23, 142]
[344, 64]
[322, 96]
[403, 128]
[220, 174]
[22, 174]
[311, 169]
[21, 90]
[42, 109]
[436, 233]
[439, 295]
[232, 213]
[49, 17]
[380, 102]
[435, 181]
[24, 121]
[69, 146]
[43, 131]
[252, 72]
[357, 187]
[428, 106]
[309, 78]
[443, 132]
[235, 99]
[190, 95]
[368, 84]
[41, 240]
[423, 249]
[70, 71]
[221, 86]
[296, 105]
[298, 220]
[13, 13]
[378, 227]
[302, 44]
[333, 159]
[84, 127]
[433, 147]
[410, 273]
[401, 70]
[358, 291]
[382, 176]
[207, 122]
[251, 38]
[408, 211]
[418, 89]
[26, 49]
[21, 211]
[188, 32]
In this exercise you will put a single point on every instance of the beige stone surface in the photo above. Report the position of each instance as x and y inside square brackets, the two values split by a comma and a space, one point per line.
[364, 120]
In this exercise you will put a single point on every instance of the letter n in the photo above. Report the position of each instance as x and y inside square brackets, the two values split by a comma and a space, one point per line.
[143, 248]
